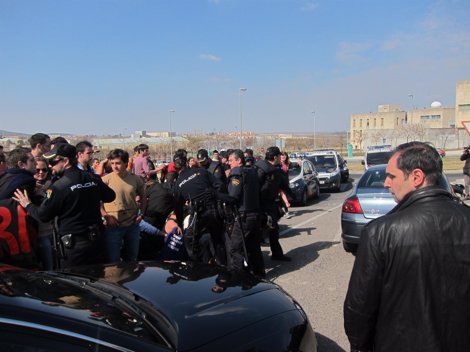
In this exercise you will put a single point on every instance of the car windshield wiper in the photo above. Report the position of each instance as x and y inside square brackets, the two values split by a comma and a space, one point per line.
[129, 302]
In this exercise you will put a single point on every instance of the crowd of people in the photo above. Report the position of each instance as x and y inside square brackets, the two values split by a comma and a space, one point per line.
[73, 209]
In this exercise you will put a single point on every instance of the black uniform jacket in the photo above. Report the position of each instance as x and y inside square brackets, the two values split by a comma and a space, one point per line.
[271, 182]
[410, 285]
[194, 184]
[16, 178]
[75, 198]
[243, 185]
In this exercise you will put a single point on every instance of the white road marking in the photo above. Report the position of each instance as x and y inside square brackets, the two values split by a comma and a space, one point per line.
[310, 220]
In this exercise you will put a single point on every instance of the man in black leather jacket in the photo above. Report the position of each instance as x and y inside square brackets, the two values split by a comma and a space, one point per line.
[410, 285]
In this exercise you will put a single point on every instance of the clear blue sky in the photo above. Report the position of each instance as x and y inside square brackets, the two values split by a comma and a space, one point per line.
[115, 66]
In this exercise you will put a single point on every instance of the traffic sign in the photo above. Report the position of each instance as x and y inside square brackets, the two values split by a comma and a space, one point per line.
[466, 125]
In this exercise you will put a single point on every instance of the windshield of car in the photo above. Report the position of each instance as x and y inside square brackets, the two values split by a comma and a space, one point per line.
[294, 170]
[324, 163]
[378, 158]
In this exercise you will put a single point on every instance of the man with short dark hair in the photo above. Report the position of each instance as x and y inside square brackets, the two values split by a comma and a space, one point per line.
[123, 215]
[140, 165]
[409, 288]
[19, 175]
[85, 156]
[271, 182]
[40, 144]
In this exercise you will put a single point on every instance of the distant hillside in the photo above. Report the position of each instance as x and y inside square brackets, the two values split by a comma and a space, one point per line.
[4, 133]
[10, 133]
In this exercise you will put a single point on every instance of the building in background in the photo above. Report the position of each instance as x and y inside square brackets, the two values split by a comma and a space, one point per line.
[437, 124]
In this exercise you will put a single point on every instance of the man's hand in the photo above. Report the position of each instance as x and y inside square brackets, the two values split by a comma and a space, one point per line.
[22, 198]
[110, 221]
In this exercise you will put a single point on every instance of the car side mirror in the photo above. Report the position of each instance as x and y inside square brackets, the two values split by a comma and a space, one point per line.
[363, 162]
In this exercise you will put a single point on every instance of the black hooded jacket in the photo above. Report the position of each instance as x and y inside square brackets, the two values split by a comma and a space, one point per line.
[271, 182]
[16, 178]
[410, 285]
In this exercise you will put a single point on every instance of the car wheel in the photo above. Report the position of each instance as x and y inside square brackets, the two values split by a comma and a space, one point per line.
[338, 186]
[316, 195]
[303, 201]
[350, 247]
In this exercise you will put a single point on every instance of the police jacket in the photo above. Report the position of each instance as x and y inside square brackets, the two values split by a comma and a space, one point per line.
[271, 181]
[75, 199]
[16, 178]
[194, 184]
[466, 167]
[410, 285]
[243, 185]
[216, 169]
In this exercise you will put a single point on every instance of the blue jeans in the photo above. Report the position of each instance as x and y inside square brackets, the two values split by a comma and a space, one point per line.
[125, 238]
[45, 252]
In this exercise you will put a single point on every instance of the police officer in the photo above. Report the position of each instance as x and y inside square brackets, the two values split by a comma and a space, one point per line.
[214, 167]
[75, 200]
[271, 182]
[197, 187]
[243, 185]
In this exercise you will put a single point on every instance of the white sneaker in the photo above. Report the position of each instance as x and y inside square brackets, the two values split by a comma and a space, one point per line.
[288, 215]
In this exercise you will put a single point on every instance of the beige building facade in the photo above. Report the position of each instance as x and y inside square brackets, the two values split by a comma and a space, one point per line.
[392, 125]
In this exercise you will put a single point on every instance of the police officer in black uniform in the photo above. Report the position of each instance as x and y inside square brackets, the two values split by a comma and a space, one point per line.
[214, 167]
[75, 200]
[243, 185]
[271, 181]
[198, 187]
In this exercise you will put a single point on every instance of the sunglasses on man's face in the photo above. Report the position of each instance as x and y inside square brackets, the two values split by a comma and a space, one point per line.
[54, 162]
[42, 170]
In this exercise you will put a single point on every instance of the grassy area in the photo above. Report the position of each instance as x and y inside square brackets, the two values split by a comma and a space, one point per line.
[451, 163]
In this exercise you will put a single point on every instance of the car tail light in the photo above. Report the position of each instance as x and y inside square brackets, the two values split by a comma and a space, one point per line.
[351, 205]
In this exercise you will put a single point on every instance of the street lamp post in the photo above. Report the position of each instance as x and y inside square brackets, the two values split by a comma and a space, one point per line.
[171, 136]
[411, 96]
[314, 131]
[242, 90]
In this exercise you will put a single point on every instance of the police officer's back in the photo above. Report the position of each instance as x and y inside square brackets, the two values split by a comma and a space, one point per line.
[199, 188]
[271, 182]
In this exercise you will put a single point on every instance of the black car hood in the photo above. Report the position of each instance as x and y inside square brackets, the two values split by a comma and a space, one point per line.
[201, 303]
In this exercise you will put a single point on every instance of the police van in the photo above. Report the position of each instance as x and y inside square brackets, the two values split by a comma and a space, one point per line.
[331, 167]
[376, 155]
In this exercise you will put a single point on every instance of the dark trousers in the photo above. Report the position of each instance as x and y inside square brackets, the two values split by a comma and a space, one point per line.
[208, 221]
[83, 251]
[276, 249]
[252, 231]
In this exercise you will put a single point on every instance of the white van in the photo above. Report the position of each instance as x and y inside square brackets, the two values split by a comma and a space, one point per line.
[331, 167]
[376, 155]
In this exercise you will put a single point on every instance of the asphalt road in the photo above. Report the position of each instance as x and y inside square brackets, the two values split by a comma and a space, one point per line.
[319, 273]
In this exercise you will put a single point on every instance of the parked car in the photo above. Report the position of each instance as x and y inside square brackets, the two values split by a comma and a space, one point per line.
[303, 181]
[368, 200]
[155, 306]
[377, 155]
[331, 167]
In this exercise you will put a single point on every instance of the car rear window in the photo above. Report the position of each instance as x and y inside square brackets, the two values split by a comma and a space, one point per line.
[372, 179]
